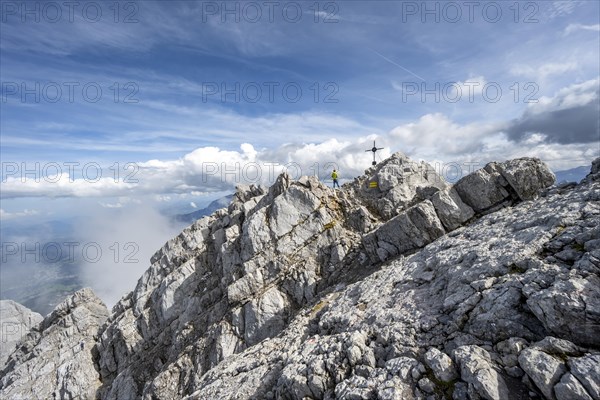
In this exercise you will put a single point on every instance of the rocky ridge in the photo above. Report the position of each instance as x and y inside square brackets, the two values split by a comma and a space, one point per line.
[398, 286]
[17, 321]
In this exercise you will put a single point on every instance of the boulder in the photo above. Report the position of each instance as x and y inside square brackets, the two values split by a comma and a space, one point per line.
[442, 366]
[482, 190]
[569, 388]
[450, 208]
[410, 230]
[544, 370]
[477, 369]
[587, 371]
[527, 176]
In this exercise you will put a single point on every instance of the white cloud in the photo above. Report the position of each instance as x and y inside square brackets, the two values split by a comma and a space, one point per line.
[432, 137]
[435, 134]
[193, 204]
[575, 95]
[162, 198]
[438, 140]
[5, 215]
[111, 205]
[53, 186]
[581, 27]
[542, 72]
[209, 169]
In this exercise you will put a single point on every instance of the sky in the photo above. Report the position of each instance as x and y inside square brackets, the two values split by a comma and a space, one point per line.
[170, 104]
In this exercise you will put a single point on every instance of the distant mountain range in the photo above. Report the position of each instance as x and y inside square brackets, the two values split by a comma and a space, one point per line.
[572, 175]
[208, 210]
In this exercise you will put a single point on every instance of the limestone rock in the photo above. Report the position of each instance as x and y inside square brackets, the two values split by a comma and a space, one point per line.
[450, 208]
[284, 295]
[410, 230]
[486, 189]
[64, 345]
[482, 190]
[395, 185]
[569, 388]
[477, 369]
[442, 366]
[527, 176]
[587, 371]
[594, 174]
[544, 369]
[17, 321]
[570, 308]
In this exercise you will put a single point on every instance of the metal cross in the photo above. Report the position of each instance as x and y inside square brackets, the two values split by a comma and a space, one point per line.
[374, 150]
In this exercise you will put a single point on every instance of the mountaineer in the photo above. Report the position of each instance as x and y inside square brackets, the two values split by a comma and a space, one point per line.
[334, 176]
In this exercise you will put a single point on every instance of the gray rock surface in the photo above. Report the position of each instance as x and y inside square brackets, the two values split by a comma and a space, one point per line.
[477, 369]
[410, 230]
[15, 323]
[544, 369]
[569, 388]
[441, 364]
[298, 291]
[399, 183]
[587, 371]
[450, 208]
[57, 359]
[526, 176]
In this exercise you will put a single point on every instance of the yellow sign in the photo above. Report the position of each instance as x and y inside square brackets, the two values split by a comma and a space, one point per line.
[373, 184]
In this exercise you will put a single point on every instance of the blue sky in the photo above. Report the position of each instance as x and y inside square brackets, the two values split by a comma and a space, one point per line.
[368, 61]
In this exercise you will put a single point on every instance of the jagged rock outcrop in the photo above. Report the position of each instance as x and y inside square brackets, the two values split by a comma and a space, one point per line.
[465, 295]
[408, 288]
[395, 185]
[58, 359]
[491, 188]
[16, 322]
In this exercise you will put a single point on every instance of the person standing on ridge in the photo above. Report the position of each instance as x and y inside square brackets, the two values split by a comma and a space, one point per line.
[334, 176]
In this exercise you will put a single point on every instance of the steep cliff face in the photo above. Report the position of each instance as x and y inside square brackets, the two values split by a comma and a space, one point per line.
[398, 286]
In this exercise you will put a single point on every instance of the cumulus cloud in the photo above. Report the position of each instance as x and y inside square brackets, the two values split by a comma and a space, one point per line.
[454, 148]
[568, 119]
[434, 135]
[209, 169]
[544, 131]
[571, 116]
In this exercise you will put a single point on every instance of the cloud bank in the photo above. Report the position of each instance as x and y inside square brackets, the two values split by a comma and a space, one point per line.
[562, 130]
